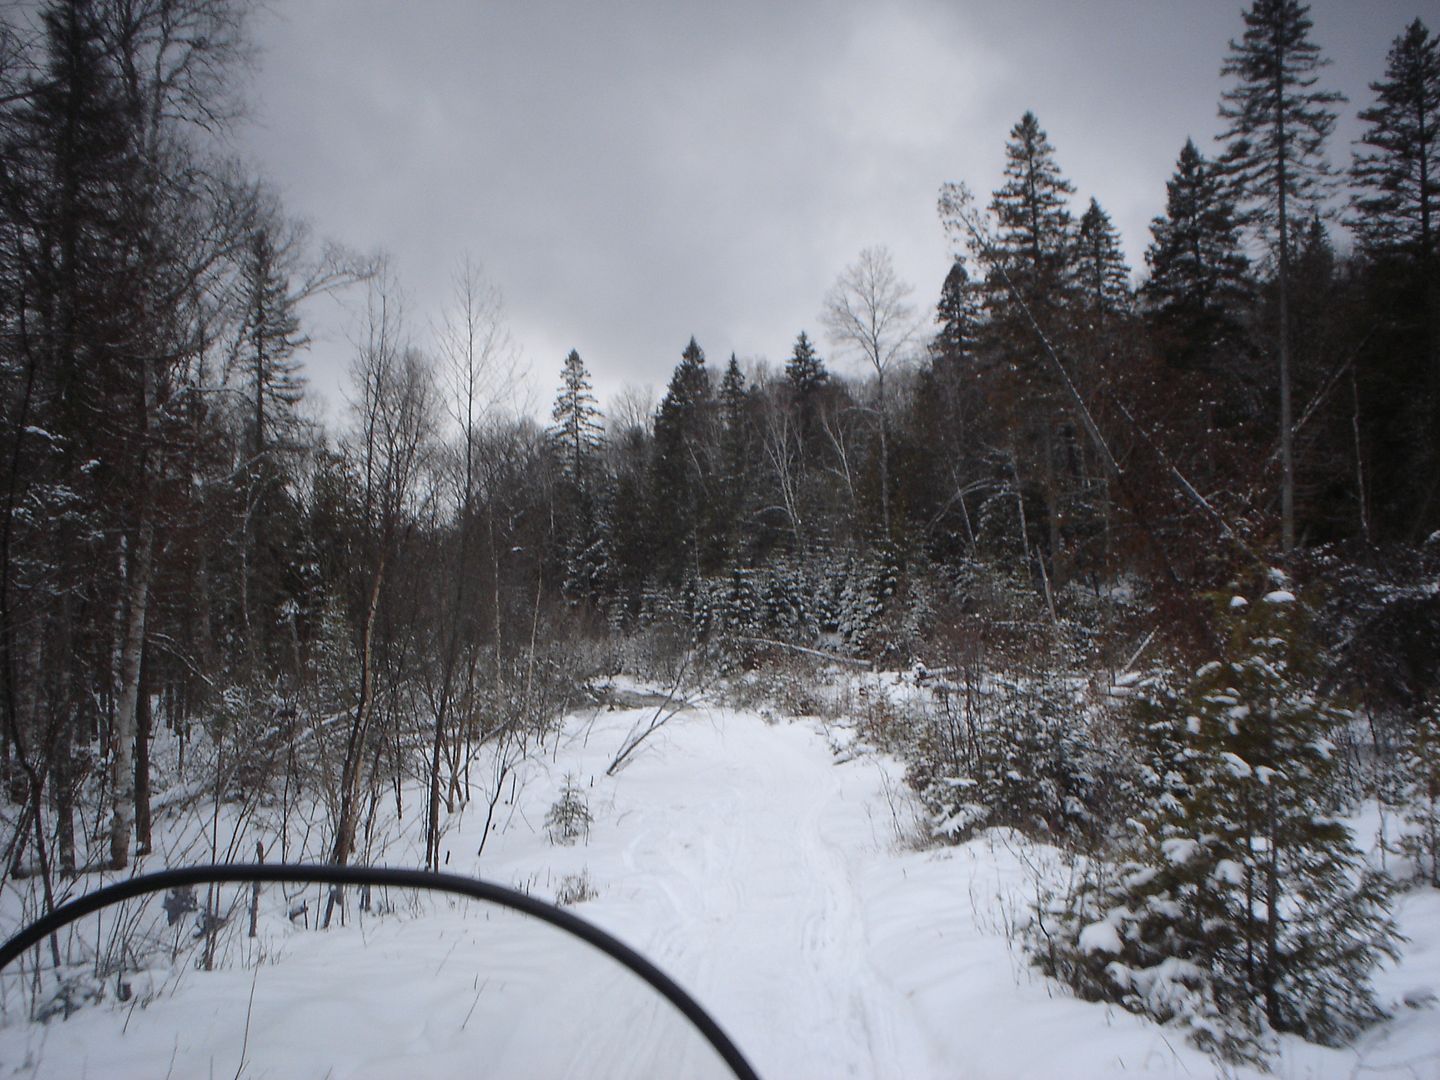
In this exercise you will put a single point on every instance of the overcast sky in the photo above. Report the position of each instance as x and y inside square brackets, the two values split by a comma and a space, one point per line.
[632, 173]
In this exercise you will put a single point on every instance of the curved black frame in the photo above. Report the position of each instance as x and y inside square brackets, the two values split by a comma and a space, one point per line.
[475, 888]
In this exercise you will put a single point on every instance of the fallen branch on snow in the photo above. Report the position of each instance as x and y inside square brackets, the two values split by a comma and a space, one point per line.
[834, 657]
[661, 716]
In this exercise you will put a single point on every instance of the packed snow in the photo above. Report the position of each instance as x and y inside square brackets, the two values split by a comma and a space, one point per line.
[777, 870]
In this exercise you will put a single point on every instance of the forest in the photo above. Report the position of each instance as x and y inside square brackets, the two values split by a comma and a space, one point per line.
[1163, 541]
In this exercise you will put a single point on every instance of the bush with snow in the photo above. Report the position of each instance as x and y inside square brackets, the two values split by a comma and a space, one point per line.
[1014, 748]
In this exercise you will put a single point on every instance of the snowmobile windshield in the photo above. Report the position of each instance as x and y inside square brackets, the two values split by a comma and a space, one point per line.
[267, 971]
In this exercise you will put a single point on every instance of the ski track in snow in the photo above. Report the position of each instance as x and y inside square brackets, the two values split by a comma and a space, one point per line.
[751, 864]
[750, 870]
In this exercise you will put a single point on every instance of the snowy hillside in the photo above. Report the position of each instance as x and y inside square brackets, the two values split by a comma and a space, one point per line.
[771, 868]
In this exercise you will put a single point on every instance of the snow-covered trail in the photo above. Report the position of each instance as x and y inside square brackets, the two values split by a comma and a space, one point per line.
[752, 864]
[763, 866]
[767, 870]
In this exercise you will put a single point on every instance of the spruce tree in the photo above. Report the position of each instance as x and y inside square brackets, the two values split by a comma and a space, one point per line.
[1278, 124]
[940, 448]
[733, 395]
[577, 431]
[1243, 906]
[1029, 276]
[1032, 218]
[70, 169]
[1395, 214]
[271, 338]
[584, 514]
[805, 372]
[958, 313]
[1101, 277]
[805, 381]
[270, 379]
[1397, 209]
[681, 471]
[730, 511]
[1199, 276]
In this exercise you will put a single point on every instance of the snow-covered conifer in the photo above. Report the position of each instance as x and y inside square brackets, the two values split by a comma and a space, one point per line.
[1242, 906]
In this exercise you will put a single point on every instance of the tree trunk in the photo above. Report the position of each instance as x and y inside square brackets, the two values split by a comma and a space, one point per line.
[142, 763]
[122, 769]
[353, 766]
[1287, 436]
[884, 452]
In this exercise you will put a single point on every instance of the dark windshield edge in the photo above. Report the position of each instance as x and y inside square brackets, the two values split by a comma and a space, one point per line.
[399, 877]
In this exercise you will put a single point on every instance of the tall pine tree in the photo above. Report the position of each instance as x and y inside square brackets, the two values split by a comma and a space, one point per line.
[1199, 276]
[1396, 217]
[577, 432]
[681, 469]
[1032, 217]
[1278, 124]
[958, 314]
[576, 437]
[1397, 209]
[1101, 277]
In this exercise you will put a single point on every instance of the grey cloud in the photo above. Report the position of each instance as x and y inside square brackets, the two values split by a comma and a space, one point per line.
[632, 173]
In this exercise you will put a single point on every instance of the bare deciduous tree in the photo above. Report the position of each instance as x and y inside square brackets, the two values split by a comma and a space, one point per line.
[867, 313]
[394, 412]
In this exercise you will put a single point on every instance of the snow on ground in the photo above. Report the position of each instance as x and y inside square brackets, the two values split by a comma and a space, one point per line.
[767, 867]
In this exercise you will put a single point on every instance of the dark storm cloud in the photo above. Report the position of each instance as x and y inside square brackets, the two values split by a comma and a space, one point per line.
[633, 173]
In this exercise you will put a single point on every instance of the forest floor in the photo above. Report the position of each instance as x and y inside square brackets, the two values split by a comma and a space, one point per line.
[773, 869]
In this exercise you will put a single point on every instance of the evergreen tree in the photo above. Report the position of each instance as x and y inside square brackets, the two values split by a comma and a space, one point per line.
[1396, 218]
[681, 471]
[1397, 209]
[786, 606]
[805, 372]
[739, 607]
[1101, 276]
[271, 337]
[1278, 124]
[583, 514]
[939, 448]
[1016, 756]
[730, 512]
[1198, 279]
[1244, 907]
[958, 314]
[70, 168]
[868, 594]
[1032, 415]
[577, 431]
[270, 379]
[733, 396]
[1032, 217]
[805, 383]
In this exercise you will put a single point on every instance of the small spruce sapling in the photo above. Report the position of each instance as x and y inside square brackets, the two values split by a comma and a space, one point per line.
[569, 818]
